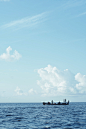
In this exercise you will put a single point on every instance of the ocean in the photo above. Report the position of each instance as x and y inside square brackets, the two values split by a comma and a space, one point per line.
[38, 116]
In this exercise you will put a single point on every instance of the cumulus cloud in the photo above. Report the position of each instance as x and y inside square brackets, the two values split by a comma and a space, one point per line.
[55, 82]
[18, 91]
[8, 57]
[81, 85]
[21, 92]
[32, 91]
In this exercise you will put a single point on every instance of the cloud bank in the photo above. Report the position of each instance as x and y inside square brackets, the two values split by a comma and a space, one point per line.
[8, 57]
[55, 82]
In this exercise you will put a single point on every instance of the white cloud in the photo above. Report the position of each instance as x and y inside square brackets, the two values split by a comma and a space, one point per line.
[21, 92]
[26, 22]
[18, 91]
[81, 14]
[5, 0]
[55, 82]
[8, 57]
[31, 91]
[81, 85]
[73, 3]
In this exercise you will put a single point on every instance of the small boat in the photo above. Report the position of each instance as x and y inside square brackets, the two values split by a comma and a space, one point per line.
[59, 103]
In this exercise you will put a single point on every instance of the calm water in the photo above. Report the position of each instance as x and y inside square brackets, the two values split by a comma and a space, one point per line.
[36, 115]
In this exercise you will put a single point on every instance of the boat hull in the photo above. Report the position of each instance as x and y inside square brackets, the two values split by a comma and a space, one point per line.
[44, 103]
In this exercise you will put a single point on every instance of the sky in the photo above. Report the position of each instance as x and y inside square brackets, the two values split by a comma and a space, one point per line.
[42, 50]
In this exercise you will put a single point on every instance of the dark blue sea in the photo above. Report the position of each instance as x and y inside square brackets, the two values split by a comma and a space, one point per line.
[38, 116]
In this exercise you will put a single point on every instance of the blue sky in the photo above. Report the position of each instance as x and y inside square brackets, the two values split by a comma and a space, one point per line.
[42, 50]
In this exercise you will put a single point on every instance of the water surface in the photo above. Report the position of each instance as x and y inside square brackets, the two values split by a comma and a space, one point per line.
[36, 115]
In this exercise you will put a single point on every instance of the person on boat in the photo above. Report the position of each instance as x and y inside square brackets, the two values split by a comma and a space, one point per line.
[59, 102]
[64, 100]
[68, 101]
[52, 102]
[48, 102]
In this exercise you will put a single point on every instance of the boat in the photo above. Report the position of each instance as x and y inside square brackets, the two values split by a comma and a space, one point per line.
[59, 103]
